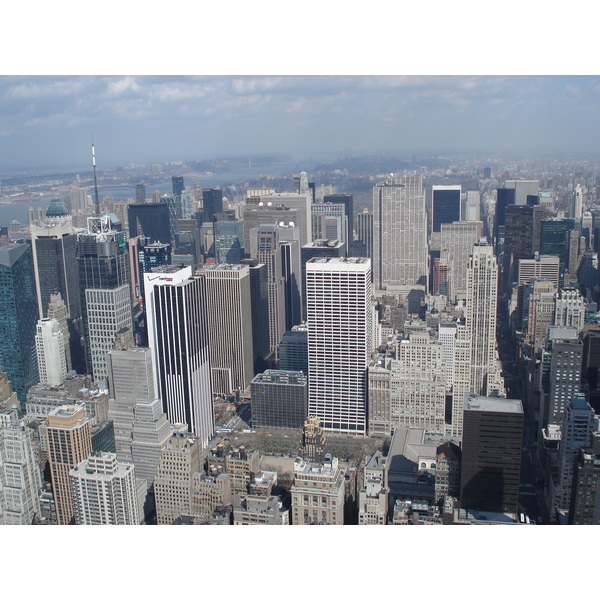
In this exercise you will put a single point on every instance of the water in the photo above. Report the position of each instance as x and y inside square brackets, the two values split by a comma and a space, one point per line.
[18, 211]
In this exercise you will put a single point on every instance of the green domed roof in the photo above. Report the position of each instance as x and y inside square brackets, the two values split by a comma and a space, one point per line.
[57, 209]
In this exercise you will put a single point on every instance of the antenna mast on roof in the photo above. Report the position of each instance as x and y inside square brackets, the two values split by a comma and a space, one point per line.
[97, 203]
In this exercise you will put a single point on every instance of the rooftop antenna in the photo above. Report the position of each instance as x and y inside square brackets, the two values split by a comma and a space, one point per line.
[97, 203]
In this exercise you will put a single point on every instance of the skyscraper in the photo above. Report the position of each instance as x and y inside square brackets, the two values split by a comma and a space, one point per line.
[178, 337]
[18, 318]
[364, 235]
[229, 240]
[230, 326]
[212, 199]
[339, 315]
[69, 441]
[491, 454]
[50, 346]
[348, 201]
[105, 292]
[140, 193]
[150, 220]
[400, 256]
[445, 202]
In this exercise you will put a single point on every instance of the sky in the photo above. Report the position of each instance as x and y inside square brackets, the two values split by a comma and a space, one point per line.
[312, 81]
[49, 121]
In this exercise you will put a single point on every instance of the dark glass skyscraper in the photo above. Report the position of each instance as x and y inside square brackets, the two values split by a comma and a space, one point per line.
[445, 205]
[151, 220]
[178, 186]
[18, 318]
[212, 199]
[229, 239]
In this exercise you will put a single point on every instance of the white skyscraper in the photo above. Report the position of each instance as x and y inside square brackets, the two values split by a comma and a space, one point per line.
[400, 254]
[578, 202]
[50, 347]
[105, 492]
[475, 365]
[338, 293]
[178, 338]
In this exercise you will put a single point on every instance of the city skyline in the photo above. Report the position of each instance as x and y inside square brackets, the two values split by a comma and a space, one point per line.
[50, 121]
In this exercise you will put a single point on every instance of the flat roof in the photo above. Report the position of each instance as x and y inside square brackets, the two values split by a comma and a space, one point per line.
[489, 404]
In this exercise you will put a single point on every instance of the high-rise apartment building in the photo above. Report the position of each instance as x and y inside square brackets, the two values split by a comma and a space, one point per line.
[400, 256]
[491, 453]
[105, 292]
[106, 492]
[18, 318]
[178, 337]
[339, 316]
[68, 442]
[50, 346]
[229, 326]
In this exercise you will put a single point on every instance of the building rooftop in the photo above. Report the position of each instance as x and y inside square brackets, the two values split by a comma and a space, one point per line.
[489, 404]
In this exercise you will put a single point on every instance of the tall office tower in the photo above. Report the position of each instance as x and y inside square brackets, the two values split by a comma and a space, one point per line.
[518, 238]
[143, 257]
[588, 272]
[174, 484]
[339, 315]
[212, 199]
[174, 207]
[540, 213]
[53, 243]
[472, 207]
[348, 201]
[8, 398]
[447, 338]
[565, 374]
[445, 203]
[504, 197]
[570, 308]
[266, 213]
[178, 187]
[291, 271]
[301, 183]
[187, 204]
[140, 193]
[18, 318]
[279, 399]
[585, 497]
[540, 313]
[79, 201]
[57, 310]
[418, 385]
[380, 408]
[301, 203]
[577, 208]
[491, 454]
[105, 293]
[269, 253]
[553, 239]
[20, 476]
[259, 303]
[229, 326]
[189, 242]
[546, 268]
[364, 235]
[320, 248]
[151, 221]
[577, 426]
[141, 427]
[399, 233]
[458, 239]
[572, 257]
[441, 275]
[482, 297]
[329, 221]
[105, 492]
[68, 442]
[229, 239]
[50, 346]
[293, 350]
[178, 337]
[523, 188]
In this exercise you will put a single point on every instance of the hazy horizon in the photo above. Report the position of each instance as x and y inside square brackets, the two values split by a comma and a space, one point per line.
[48, 121]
